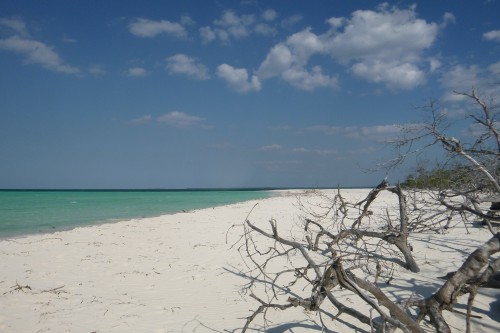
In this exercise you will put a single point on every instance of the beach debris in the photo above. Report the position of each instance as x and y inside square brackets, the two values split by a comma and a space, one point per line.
[26, 288]
[17, 287]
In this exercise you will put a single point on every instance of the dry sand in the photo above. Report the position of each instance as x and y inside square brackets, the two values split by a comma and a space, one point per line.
[172, 274]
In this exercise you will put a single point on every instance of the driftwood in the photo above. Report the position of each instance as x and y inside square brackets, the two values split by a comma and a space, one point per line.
[327, 274]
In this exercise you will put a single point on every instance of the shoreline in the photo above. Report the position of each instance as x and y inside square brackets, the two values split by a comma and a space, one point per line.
[48, 227]
[180, 273]
[273, 193]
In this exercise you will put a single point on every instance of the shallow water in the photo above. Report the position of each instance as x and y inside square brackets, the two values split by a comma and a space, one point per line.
[28, 212]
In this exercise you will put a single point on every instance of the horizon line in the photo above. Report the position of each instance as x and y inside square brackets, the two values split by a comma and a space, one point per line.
[264, 188]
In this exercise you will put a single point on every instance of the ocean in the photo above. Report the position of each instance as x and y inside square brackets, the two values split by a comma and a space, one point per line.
[30, 212]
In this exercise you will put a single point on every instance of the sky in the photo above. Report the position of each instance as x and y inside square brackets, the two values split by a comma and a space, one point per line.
[221, 94]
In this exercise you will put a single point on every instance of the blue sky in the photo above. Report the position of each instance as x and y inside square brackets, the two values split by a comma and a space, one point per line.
[176, 94]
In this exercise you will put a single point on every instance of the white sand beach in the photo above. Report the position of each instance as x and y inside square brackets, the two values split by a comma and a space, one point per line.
[173, 274]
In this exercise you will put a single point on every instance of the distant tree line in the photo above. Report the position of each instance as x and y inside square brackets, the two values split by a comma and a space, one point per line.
[439, 177]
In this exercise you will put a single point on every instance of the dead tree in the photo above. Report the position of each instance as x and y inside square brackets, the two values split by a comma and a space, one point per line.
[478, 155]
[321, 269]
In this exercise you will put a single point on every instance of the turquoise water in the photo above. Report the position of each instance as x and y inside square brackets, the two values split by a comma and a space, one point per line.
[28, 212]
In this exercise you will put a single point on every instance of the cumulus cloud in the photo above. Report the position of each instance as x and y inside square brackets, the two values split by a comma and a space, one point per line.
[384, 45]
[394, 74]
[238, 78]
[182, 64]
[233, 26]
[142, 27]
[381, 46]
[36, 52]
[304, 44]
[182, 120]
[277, 61]
[236, 26]
[137, 72]
[288, 60]
[388, 33]
[493, 35]
[308, 80]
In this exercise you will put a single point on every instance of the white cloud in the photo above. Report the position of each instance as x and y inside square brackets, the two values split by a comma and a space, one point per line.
[304, 44]
[388, 33]
[278, 60]
[300, 150]
[181, 119]
[142, 120]
[379, 133]
[390, 39]
[175, 119]
[434, 64]
[232, 26]
[322, 152]
[265, 29]
[464, 78]
[207, 34]
[269, 15]
[67, 39]
[336, 22]
[291, 21]
[148, 28]
[97, 70]
[382, 46]
[305, 80]
[187, 20]
[137, 72]
[182, 64]
[37, 53]
[494, 69]
[461, 78]
[16, 25]
[493, 35]
[394, 74]
[236, 26]
[447, 19]
[288, 61]
[238, 78]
